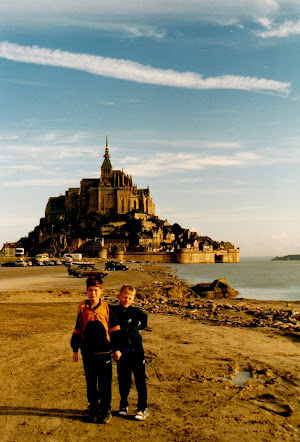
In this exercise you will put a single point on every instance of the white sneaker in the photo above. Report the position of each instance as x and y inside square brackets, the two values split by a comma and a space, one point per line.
[141, 415]
[123, 411]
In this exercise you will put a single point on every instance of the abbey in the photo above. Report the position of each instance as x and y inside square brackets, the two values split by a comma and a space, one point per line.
[114, 192]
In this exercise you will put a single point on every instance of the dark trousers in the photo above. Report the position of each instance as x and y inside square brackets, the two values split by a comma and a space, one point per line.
[132, 362]
[98, 374]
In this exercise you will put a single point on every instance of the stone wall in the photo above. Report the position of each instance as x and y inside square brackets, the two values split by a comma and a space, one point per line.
[187, 256]
[164, 257]
[182, 256]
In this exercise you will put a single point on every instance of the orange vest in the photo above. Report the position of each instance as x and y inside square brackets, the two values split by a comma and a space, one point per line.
[101, 313]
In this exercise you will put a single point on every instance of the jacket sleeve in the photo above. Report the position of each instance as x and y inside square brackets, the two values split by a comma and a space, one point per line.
[76, 336]
[143, 319]
[114, 331]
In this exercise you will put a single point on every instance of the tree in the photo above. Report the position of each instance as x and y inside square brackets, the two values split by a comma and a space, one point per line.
[177, 230]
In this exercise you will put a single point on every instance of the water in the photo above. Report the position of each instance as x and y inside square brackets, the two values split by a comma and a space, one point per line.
[241, 378]
[253, 278]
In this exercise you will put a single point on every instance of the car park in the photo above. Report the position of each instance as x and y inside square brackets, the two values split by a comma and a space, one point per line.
[114, 265]
[87, 270]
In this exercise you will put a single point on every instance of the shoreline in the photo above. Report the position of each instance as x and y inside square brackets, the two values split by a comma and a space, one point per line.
[159, 290]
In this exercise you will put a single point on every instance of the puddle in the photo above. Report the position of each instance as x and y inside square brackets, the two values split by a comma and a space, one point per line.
[241, 378]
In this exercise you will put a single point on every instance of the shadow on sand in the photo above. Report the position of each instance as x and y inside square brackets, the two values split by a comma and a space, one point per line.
[50, 412]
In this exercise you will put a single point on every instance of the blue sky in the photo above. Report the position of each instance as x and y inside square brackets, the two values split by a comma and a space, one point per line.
[200, 99]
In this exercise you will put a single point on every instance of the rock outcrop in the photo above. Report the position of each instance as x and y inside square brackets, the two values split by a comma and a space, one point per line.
[218, 289]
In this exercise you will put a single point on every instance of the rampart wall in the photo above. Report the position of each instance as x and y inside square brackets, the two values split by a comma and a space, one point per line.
[182, 256]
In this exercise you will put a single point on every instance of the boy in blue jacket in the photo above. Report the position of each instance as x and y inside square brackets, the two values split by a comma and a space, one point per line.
[132, 360]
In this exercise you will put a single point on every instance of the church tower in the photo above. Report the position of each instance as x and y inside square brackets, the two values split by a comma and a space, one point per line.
[106, 168]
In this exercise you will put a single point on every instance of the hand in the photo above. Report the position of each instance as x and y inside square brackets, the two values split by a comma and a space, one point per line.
[75, 357]
[117, 354]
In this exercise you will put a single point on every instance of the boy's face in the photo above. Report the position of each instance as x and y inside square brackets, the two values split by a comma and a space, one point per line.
[126, 299]
[94, 293]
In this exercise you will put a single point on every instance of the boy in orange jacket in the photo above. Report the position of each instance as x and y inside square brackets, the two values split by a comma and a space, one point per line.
[96, 334]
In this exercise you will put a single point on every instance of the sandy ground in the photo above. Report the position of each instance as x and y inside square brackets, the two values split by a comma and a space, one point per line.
[197, 373]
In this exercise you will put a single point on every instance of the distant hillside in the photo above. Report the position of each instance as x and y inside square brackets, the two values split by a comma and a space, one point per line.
[287, 258]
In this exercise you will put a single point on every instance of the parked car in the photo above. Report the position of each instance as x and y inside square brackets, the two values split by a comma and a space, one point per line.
[8, 264]
[87, 270]
[36, 262]
[48, 263]
[20, 263]
[73, 265]
[57, 262]
[114, 265]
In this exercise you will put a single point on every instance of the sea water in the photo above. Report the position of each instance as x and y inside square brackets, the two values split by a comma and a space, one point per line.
[259, 278]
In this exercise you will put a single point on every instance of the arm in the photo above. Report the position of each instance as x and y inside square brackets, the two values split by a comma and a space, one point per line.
[76, 339]
[143, 319]
[115, 334]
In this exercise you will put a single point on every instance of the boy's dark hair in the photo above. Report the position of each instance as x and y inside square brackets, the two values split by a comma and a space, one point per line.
[94, 281]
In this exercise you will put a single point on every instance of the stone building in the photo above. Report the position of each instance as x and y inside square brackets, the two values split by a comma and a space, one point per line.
[114, 192]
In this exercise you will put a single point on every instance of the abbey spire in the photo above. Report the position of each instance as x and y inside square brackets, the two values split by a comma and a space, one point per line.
[106, 168]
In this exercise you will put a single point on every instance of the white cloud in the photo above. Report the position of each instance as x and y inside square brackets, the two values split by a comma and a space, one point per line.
[24, 167]
[53, 150]
[25, 82]
[287, 28]
[107, 103]
[131, 30]
[136, 72]
[223, 145]
[183, 161]
[8, 137]
[188, 143]
[249, 208]
[283, 236]
[40, 182]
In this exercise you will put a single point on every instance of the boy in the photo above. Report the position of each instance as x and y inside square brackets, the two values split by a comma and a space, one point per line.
[96, 333]
[131, 320]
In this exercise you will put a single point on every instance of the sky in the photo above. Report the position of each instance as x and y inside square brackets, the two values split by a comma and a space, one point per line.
[200, 99]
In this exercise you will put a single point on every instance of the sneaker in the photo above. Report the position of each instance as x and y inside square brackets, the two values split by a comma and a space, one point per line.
[104, 417]
[93, 413]
[123, 411]
[141, 415]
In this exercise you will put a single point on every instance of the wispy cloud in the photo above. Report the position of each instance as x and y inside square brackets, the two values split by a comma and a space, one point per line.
[249, 208]
[25, 82]
[107, 103]
[24, 167]
[188, 143]
[39, 182]
[136, 72]
[129, 30]
[183, 162]
[287, 28]
[8, 137]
